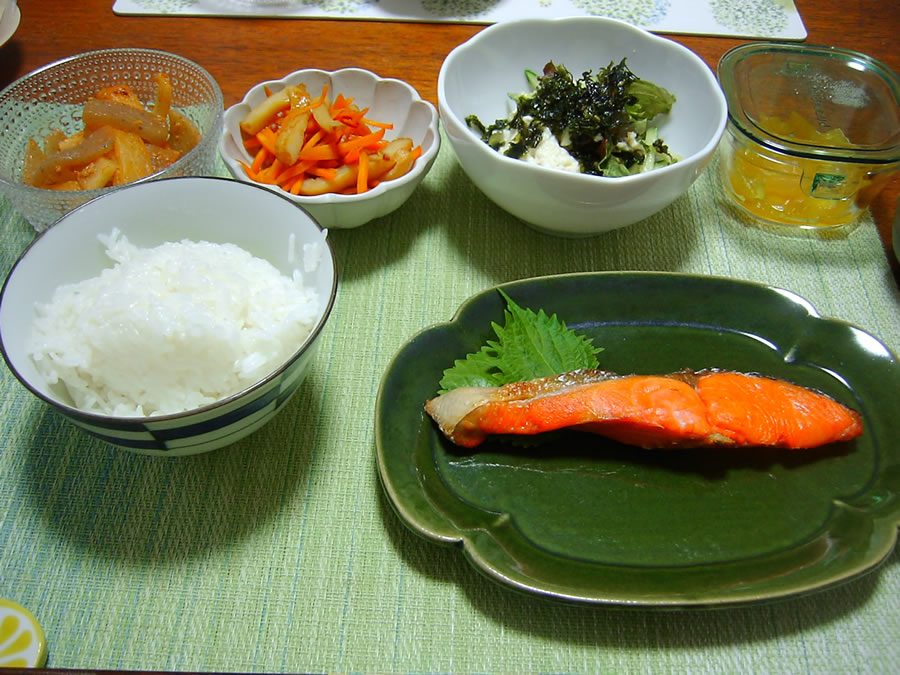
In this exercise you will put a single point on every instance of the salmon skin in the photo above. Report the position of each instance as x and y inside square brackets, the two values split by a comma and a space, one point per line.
[682, 410]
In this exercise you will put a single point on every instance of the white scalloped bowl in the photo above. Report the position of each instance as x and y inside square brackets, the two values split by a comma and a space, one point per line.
[476, 77]
[389, 100]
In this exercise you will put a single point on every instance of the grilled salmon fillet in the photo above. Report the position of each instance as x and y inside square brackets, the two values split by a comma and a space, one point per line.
[681, 410]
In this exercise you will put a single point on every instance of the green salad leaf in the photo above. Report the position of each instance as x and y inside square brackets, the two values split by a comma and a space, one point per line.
[649, 100]
[528, 345]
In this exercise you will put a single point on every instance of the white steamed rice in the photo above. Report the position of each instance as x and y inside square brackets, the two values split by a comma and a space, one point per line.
[170, 328]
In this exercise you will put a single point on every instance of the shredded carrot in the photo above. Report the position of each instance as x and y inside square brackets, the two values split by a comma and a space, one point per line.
[259, 159]
[362, 175]
[250, 172]
[296, 186]
[277, 167]
[361, 142]
[357, 129]
[347, 117]
[349, 138]
[323, 151]
[270, 173]
[373, 123]
[321, 172]
[293, 172]
[314, 139]
[266, 137]
[321, 98]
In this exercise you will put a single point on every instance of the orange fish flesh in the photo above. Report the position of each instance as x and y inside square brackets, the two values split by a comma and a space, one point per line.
[681, 410]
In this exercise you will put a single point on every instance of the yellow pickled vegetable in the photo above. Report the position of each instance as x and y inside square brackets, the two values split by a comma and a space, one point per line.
[797, 190]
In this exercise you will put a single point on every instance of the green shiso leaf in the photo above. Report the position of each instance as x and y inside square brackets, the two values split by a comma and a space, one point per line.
[479, 369]
[528, 345]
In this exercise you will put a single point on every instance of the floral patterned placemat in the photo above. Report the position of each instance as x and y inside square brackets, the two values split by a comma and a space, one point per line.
[770, 19]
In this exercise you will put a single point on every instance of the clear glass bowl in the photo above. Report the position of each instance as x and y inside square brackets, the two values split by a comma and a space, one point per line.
[52, 98]
[813, 132]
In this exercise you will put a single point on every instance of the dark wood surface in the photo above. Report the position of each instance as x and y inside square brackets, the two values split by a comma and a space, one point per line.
[241, 52]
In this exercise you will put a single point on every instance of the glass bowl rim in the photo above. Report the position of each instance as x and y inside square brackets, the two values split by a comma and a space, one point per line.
[739, 123]
[218, 101]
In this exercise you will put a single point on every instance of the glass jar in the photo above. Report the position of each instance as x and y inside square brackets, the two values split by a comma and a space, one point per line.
[813, 132]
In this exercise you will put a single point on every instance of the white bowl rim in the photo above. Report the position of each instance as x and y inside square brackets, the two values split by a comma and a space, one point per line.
[217, 90]
[586, 179]
[331, 197]
[92, 417]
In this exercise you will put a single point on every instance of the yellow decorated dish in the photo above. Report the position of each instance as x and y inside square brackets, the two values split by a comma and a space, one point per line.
[22, 643]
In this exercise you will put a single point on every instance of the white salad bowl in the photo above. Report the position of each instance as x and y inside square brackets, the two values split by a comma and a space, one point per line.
[216, 210]
[477, 77]
[388, 100]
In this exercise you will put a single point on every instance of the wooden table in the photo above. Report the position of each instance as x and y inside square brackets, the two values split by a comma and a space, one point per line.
[241, 52]
[260, 497]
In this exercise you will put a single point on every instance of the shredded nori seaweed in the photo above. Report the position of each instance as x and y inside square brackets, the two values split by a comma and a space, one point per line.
[594, 112]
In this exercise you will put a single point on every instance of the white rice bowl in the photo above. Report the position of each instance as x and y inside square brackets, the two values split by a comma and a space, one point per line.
[227, 336]
[170, 328]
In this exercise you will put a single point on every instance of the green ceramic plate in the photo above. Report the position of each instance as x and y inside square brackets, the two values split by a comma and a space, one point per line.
[586, 519]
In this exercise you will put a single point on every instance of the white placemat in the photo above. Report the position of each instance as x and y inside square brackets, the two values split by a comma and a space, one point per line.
[770, 19]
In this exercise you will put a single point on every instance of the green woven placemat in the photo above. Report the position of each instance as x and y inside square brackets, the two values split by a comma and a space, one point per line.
[280, 553]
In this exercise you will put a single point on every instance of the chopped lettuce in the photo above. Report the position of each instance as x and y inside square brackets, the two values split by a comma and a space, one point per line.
[650, 100]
